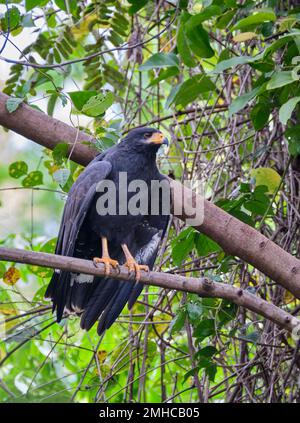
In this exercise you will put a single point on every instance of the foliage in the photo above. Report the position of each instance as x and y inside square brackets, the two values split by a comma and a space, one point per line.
[221, 78]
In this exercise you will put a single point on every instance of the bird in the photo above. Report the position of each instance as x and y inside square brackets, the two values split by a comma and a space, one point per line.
[110, 239]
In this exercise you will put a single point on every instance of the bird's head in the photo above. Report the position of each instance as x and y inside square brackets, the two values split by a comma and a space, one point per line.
[147, 139]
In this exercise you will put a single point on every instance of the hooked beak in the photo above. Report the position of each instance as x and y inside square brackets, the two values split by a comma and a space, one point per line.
[158, 138]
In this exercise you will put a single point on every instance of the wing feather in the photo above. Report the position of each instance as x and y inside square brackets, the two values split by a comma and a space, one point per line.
[79, 200]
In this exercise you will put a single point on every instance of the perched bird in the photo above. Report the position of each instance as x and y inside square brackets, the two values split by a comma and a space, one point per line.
[114, 238]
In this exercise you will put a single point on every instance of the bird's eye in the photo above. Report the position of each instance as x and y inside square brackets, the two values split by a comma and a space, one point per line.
[147, 135]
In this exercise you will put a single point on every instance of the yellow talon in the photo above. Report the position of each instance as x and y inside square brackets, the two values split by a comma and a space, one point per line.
[107, 261]
[133, 266]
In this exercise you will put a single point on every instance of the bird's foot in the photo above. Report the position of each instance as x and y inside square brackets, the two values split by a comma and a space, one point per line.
[133, 266]
[107, 261]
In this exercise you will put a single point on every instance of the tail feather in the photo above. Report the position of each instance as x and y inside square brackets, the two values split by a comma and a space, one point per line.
[137, 289]
[98, 301]
[103, 298]
[115, 306]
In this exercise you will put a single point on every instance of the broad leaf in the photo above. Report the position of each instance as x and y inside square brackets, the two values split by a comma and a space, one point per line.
[240, 102]
[98, 104]
[178, 321]
[293, 137]
[286, 110]
[244, 36]
[184, 48]
[79, 98]
[260, 115]
[258, 17]
[11, 276]
[268, 177]
[199, 41]
[235, 61]
[280, 79]
[160, 60]
[30, 4]
[191, 89]
[204, 329]
[18, 169]
[33, 178]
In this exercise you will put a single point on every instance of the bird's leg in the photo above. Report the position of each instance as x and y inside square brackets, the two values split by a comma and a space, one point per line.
[132, 265]
[105, 257]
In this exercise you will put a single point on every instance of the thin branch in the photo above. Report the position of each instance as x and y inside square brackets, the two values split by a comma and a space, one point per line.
[124, 47]
[204, 287]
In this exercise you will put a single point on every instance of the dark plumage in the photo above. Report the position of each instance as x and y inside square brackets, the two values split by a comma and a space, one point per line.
[82, 229]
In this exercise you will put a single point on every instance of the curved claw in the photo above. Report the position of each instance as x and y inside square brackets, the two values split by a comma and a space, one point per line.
[133, 266]
[107, 261]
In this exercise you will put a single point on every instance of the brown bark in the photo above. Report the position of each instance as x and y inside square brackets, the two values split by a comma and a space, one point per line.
[45, 130]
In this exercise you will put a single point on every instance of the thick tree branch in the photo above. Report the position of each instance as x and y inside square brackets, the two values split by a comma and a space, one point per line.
[234, 236]
[46, 131]
[204, 287]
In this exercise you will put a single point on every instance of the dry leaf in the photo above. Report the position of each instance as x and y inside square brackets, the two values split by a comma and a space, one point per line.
[244, 36]
[11, 276]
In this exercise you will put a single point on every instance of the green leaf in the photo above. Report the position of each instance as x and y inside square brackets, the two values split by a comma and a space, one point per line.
[260, 115]
[70, 5]
[258, 17]
[30, 4]
[13, 103]
[98, 104]
[205, 245]
[244, 217]
[240, 102]
[136, 5]
[190, 373]
[51, 104]
[172, 95]
[49, 246]
[206, 352]
[199, 41]
[286, 110]
[41, 272]
[204, 329]
[79, 98]
[194, 311]
[178, 322]
[203, 16]
[192, 88]
[235, 61]
[211, 371]
[33, 178]
[60, 152]
[223, 21]
[17, 169]
[164, 74]
[227, 312]
[160, 60]
[293, 137]
[280, 79]
[182, 245]
[184, 48]
[256, 207]
[2, 269]
[11, 19]
[281, 42]
[252, 337]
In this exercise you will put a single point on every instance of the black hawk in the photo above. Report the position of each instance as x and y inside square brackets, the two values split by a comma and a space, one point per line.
[131, 239]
